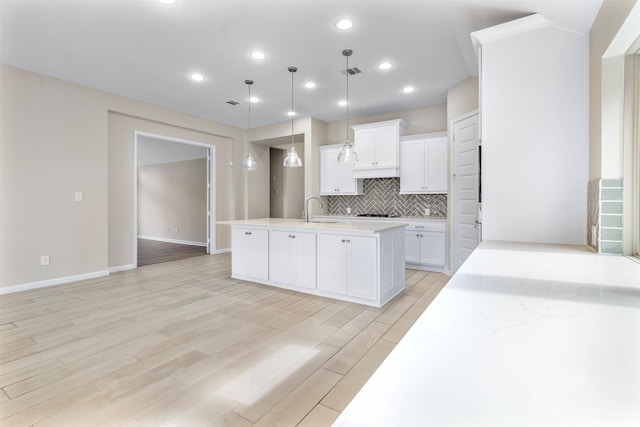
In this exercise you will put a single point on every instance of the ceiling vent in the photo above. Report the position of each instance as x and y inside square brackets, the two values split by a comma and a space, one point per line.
[354, 70]
[233, 102]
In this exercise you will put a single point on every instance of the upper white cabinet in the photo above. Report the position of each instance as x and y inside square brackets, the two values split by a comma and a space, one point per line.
[336, 177]
[377, 145]
[423, 163]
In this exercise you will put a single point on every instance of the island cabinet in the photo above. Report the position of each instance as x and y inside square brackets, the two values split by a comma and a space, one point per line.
[292, 258]
[377, 145]
[423, 164]
[356, 261]
[336, 178]
[250, 257]
[347, 265]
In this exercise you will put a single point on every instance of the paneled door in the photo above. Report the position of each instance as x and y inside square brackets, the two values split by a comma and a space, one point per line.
[465, 203]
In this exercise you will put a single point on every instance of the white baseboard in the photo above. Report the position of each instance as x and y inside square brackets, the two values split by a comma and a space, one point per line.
[180, 242]
[121, 268]
[52, 282]
[221, 251]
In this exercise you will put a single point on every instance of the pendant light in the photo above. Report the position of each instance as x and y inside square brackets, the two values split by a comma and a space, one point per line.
[347, 154]
[249, 163]
[292, 160]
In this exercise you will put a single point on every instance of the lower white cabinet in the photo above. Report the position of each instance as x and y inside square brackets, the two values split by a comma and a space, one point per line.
[292, 258]
[250, 256]
[424, 245]
[347, 265]
[351, 261]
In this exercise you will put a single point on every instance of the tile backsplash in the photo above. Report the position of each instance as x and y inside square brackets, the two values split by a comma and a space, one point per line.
[381, 195]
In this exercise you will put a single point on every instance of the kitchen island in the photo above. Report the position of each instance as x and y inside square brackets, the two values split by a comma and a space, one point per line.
[354, 261]
[522, 335]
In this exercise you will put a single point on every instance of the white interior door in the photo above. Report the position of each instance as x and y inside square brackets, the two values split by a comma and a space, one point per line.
[465, 201]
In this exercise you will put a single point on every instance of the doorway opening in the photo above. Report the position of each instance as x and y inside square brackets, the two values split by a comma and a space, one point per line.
[173, 193]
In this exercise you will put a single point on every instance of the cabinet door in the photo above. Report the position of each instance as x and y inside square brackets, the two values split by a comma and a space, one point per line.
[362, 267]
[335, 177]
[332, 263]
[240, 252]
[328, 181]
[436, 180]
[432, 248]
[304, 260]
[412, 246]
[365, 146]
[260, 254]
[250, 252]
[387, 146]
[412, 165]
[280, 257]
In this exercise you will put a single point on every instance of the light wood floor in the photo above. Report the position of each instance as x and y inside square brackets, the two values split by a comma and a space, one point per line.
[182, 344]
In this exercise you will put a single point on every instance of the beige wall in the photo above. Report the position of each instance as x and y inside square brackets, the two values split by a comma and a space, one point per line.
[172, 201]
[610, 18]
[461, 99]
[55, 140]
[419, 120]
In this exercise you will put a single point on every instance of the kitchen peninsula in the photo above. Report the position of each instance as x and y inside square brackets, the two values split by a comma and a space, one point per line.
[354, 261]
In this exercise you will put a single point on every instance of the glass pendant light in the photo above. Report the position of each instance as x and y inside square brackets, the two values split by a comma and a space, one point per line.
[249, 163]
[347, 154]
[292, 160]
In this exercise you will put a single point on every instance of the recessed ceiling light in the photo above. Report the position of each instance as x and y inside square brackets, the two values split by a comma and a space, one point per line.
[254, 99]
[342, 103]
[384, 65]
[291, 113]
[167, 1]
[408, 89]
[309, 85]
[196, 77]
[344, 24]
[256, 54]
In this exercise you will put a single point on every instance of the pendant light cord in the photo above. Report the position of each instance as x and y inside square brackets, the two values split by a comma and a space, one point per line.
[293, 70]
[347, 71]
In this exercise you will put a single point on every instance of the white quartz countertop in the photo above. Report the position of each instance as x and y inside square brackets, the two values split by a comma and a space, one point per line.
[317, 225]
[522, 335]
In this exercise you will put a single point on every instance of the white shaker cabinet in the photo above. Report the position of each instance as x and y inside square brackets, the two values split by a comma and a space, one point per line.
[423, 164]
[377, 147]
[347, 265]
[292, 258]
[250, 256]
[425, 244]
[336, 178]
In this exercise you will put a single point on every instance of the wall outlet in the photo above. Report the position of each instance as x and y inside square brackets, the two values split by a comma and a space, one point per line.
[44, 260]
[177, 229]
[79, 196]
[348, 210]
[427, 212]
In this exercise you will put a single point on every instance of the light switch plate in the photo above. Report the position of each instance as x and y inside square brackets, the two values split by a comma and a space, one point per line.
[44, 260]
[79, 196]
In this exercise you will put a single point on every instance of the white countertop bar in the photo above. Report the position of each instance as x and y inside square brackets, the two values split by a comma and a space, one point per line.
[522, 335]
[317, 225]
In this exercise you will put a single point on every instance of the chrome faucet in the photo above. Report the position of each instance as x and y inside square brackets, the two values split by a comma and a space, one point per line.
[306, 207]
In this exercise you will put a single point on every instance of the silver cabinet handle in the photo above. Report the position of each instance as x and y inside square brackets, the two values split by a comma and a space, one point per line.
[343, 240]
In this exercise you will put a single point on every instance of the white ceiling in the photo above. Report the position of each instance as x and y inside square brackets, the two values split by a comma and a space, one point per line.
[144, 50]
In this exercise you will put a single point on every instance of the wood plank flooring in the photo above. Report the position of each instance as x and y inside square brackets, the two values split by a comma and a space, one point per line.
[183, 344]
[154, 252]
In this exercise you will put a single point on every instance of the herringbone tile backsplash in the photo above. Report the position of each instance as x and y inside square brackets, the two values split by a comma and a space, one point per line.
[381, 196]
